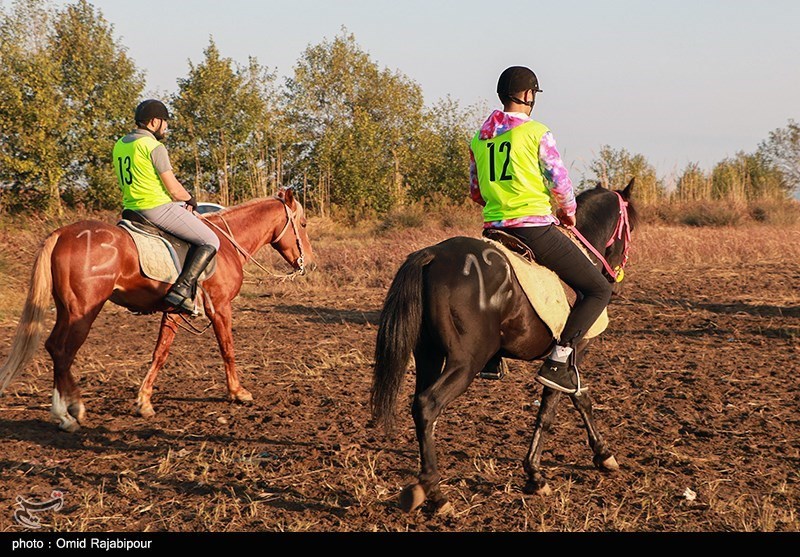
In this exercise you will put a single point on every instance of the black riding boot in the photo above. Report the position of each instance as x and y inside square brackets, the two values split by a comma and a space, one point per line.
[561, 376]
[181, 295]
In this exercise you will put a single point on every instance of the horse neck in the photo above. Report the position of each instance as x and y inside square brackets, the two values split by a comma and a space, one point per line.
[256, 223]
[600, 228]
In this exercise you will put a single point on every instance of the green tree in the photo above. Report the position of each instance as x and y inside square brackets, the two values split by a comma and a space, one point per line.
[355, 125]
[441, 160]
[222, 114]
[693, 184]
[100, 86]
[615, 167]
[747, 177]
[33, 155]
[782, 150]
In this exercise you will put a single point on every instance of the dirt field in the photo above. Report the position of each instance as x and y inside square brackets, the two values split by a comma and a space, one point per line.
[695, 388]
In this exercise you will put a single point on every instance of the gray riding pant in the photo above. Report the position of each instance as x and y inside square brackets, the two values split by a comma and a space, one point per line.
[173, 218]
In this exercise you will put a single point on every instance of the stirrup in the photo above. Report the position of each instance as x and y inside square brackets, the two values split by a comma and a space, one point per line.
[185, 306]
[495, 374]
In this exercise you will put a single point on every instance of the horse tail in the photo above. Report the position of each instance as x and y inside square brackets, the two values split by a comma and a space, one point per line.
[29, 329]
[398, 332]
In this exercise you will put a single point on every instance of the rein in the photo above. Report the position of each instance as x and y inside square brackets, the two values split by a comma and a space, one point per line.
[622, 231]
[290, 220]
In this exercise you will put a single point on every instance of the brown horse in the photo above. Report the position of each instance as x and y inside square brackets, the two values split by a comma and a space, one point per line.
[85, 264]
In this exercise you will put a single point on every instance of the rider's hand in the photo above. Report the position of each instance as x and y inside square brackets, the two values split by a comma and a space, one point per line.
[191, 204]
[566, 220]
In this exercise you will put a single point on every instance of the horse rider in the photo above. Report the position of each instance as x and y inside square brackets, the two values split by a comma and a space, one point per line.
[149, 187]
[515, 173]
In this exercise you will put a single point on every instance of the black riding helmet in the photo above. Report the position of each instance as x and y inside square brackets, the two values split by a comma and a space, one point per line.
[516, 79]
[149, 109]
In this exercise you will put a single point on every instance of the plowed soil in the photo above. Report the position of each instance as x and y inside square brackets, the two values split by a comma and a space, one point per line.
[694, 383]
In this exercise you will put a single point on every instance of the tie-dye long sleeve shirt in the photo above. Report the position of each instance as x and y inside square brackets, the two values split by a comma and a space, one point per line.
[552, 167]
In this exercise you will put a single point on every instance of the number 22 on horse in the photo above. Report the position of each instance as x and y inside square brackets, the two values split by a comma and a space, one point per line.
[83, 265]
[456, 305]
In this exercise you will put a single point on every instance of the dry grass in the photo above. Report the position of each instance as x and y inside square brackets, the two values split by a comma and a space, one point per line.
[656, 245]
[367, 254]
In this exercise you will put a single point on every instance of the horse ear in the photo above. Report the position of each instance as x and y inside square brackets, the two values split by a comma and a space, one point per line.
[626, 193]
[287, 196]
[599, 186]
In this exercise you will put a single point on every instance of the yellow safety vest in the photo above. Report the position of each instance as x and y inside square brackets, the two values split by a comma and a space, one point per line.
[141, 186]
[509, 176]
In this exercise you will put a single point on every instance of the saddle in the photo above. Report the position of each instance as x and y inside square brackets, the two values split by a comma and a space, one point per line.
[511, 242]
[541, 285]
[161, 255]
[517, 246]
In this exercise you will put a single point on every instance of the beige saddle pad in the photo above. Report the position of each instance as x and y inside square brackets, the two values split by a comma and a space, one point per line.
[158, 258]
[546, 293]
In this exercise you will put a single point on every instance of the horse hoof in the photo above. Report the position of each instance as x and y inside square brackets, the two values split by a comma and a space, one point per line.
[412, 497]
[145, 410]
[77, 410]
[242, 396]
[445, 508]
[533, 487]
[70, 426]
[608, 465]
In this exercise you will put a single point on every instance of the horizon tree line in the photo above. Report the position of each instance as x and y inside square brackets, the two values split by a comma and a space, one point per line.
[342, 131]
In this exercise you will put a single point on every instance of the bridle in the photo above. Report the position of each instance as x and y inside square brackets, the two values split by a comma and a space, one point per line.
[622, 231]
[291, 219]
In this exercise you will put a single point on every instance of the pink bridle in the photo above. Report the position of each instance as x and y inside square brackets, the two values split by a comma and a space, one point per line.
[621, 232]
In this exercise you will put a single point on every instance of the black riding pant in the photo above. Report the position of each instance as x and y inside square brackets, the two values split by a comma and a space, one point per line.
[552, 249]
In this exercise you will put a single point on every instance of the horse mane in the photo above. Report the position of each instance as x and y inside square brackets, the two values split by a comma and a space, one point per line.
[242, 206]
[233, 209]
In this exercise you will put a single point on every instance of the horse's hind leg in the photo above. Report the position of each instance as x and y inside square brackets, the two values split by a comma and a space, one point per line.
[166, 335]
[68, 335]
[428, 361]
[429, 402]
[537, 483]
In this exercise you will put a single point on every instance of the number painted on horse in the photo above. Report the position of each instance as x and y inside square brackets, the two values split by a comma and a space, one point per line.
[109, 261]
[471, 262]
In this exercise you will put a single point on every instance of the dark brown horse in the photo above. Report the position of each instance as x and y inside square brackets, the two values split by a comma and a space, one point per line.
[85, 264]
[456, 305]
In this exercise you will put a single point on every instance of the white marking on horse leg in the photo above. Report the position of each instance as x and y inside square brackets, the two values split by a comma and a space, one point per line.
[60, 413]
[77, 410]
[143, 406]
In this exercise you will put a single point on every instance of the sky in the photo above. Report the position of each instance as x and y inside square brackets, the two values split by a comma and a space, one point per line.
[679, 82]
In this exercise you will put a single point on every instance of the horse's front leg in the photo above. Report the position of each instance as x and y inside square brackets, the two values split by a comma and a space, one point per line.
[221, 319]
[166, 335]
[536, 483]
[603, 458]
